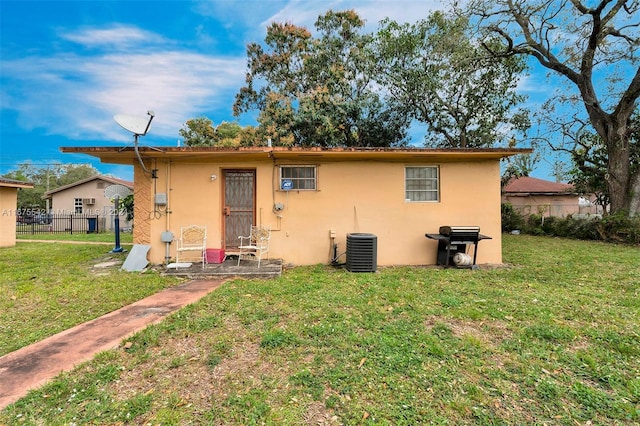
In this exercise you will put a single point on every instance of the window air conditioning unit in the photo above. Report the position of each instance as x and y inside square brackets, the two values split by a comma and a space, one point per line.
[89, 200]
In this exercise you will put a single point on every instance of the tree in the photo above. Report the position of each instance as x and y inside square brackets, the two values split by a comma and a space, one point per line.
[446, 80]
[595, 49]
[520, 165]
[319, 91]
[127, 206]
[45, 179]
[589, 158]
[198, 132]
[201, 132]
[228, 134]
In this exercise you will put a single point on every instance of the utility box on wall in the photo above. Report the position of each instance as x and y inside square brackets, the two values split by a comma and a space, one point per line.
[362, 252]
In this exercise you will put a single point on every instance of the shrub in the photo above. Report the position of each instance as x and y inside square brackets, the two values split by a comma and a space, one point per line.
[534, 225]
[511, 219]
[617, 228]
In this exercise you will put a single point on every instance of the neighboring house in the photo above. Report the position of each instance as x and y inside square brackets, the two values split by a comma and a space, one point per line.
[87, 198]
[312, 198]
[530, 195]
[8, 209]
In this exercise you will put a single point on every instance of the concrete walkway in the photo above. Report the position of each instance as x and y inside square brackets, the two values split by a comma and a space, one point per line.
[31, 367]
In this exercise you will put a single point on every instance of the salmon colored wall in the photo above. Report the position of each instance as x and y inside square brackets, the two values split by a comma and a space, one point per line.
[63, 202]
[547, 205]
[361, 196]
[8, 203]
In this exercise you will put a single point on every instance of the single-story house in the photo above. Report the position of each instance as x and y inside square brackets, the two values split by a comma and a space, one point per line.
[9, 208]
[313, 198]
[87, 197]
[530, 195]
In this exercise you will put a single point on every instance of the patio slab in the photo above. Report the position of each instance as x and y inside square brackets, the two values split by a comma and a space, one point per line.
[269, 268]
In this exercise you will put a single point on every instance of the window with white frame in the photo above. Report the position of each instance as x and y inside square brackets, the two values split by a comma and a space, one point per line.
[77, 205]
[422, 183]
[301, 177]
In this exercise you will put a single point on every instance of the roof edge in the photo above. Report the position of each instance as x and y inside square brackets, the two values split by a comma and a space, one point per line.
[115, 181]
[275, 149]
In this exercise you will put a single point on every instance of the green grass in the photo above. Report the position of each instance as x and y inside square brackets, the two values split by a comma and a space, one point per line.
[106, 237]
[552, 338]
[47, 288]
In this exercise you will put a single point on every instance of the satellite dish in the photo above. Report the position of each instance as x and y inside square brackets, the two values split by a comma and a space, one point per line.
[139, 126]
[134, 124]
[113, 192]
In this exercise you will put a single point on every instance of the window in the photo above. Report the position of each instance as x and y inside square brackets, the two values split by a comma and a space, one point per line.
[421, 183]
[301, 177]
[77, 205]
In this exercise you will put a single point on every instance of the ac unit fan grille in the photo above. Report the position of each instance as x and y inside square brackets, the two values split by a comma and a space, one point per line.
[362, 252]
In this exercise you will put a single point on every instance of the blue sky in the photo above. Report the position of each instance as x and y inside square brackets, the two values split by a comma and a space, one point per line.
[67, 67]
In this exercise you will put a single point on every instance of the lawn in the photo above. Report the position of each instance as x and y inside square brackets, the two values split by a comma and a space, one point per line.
[551, 338]
[49, 287]
[106, 237]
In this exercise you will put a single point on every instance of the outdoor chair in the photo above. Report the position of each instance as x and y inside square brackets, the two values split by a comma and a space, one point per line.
[192, 244]
[255, 245]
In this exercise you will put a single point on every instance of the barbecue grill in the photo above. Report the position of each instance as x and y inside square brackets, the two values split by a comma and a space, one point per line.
[453, 242]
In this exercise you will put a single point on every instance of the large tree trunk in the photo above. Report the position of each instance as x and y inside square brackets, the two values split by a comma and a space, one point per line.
[618, 175]
[624, 187]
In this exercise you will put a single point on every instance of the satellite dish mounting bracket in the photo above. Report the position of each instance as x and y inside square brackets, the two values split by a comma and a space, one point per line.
[139, 126]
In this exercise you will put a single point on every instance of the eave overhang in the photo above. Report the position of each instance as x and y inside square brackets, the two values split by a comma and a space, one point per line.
[11, 183]
[128, 155]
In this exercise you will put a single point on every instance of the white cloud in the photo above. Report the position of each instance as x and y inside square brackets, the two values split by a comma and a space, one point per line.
[126, 69]
[121, 36]
[76, 95]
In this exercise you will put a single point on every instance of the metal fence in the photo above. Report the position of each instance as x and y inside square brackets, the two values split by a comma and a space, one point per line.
[62, 224]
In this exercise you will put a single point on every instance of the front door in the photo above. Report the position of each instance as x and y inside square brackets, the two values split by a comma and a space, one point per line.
[239, 205]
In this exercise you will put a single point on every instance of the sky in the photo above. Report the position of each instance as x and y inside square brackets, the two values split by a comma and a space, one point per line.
[67, 67]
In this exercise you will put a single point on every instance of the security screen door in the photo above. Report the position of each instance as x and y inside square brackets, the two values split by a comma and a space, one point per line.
[239, 205]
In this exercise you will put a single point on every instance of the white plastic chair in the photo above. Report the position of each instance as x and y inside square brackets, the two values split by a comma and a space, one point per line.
[255, 245]
[192, 244]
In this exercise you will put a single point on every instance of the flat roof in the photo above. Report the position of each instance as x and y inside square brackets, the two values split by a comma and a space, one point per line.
[12, 183]
[127, 155]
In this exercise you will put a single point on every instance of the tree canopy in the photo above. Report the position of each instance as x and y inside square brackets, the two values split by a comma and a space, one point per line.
[202, 132]
[319, 91]
[444, 78]
[594, 47]
[45, 179]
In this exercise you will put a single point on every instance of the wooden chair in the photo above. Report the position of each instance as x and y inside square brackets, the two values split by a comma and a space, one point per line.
[192, 244]
[255, 245]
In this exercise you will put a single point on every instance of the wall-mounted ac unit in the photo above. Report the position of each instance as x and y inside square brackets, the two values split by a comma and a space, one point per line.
[89, 200]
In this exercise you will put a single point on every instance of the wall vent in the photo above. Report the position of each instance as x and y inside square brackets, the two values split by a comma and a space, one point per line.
[89, 201]
[362, 252]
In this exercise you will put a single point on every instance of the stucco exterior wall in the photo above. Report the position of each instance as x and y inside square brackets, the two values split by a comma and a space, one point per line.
[548, 205]
[352, 196]
[8, 202]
